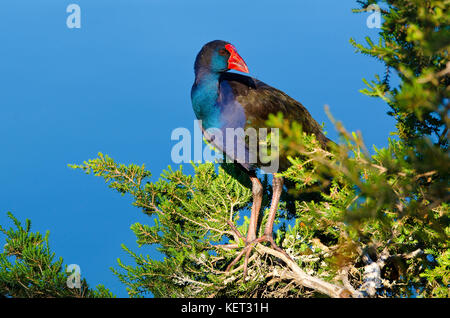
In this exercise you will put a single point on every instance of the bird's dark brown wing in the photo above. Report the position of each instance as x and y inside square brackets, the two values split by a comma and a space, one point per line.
[259, 100]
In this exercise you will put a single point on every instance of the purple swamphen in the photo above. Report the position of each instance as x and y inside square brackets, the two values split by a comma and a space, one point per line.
[223, 101]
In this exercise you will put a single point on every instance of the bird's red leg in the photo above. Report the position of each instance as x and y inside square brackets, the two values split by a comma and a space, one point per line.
[257, 191]
[277, 188]
[251, 240]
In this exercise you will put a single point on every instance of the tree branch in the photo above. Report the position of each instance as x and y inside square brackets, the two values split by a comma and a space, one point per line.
[306, 280]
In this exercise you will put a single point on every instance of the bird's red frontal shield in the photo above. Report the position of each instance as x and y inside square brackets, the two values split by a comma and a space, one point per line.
[235, 62]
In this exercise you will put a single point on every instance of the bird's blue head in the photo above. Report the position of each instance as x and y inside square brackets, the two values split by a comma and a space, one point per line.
[218, 57]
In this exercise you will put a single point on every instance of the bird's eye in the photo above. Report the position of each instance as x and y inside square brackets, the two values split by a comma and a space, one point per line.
[223, 52]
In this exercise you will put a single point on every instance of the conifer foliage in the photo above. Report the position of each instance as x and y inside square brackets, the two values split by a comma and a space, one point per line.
[28, 268]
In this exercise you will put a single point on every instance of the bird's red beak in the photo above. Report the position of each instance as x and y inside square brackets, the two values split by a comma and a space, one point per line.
[235, 62]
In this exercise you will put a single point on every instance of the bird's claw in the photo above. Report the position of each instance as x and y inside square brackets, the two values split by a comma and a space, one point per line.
[249, 245]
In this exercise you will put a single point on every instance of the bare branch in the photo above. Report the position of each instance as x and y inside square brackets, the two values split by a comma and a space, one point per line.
[297, 274]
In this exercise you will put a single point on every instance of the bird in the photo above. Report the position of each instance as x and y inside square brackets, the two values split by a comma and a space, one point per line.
[224, 101]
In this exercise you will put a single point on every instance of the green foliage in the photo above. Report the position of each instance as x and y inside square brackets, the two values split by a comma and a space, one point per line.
[191, 220]
[414, 41]
[391, 203]
[438, 277]
[375, 204]
[28, 268]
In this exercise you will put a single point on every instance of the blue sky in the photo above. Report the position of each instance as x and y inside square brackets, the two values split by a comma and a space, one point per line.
[121, 84]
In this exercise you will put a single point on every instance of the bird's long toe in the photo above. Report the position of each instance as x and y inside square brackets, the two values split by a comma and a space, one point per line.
[245, 251]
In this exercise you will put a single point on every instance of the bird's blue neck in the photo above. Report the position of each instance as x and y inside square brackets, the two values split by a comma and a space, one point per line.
[205, 93]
